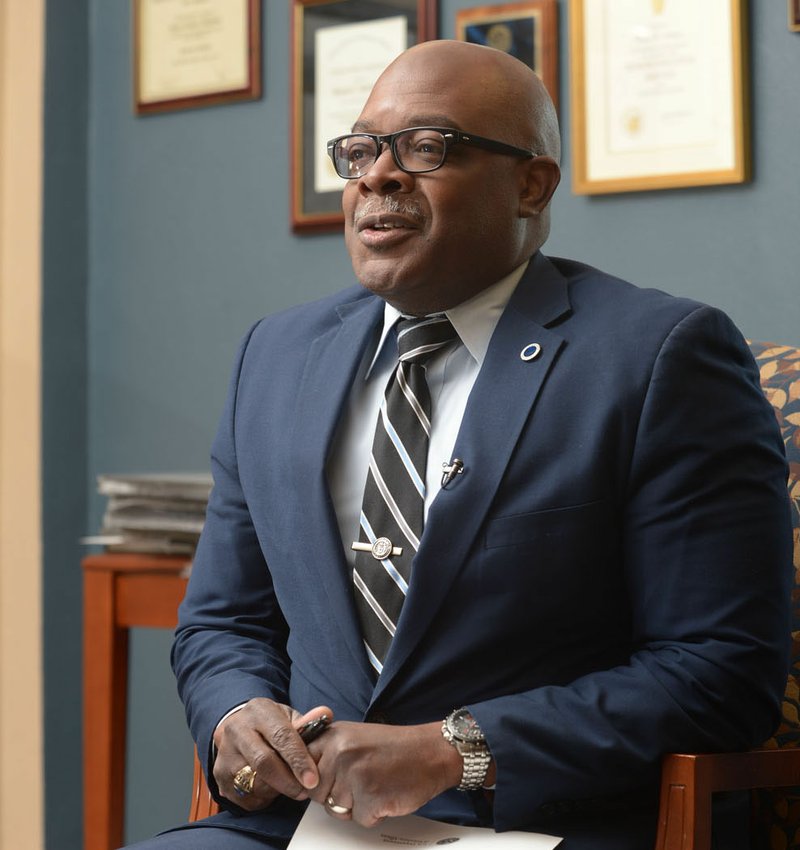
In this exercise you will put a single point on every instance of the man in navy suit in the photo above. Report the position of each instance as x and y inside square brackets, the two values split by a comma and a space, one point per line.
[604, 571]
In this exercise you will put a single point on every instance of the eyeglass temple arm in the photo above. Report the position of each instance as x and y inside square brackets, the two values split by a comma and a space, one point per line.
[492, 145]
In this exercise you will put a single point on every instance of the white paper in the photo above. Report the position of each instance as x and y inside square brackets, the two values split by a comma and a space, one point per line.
[349, 58]
[318, 829]
[192, 47]
[657, 87]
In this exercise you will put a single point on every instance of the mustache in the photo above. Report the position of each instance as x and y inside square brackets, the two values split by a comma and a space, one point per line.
[389, 204]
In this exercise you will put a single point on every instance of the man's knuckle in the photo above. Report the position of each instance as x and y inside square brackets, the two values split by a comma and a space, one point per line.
[261, 762]
[281, 737]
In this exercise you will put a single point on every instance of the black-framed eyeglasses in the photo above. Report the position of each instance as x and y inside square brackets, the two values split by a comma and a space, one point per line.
[416, 150]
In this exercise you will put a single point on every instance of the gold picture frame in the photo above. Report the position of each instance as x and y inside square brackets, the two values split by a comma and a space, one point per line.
[659, 94]
[528, 30]
[794, 15]
[339, 48]
[191, 55]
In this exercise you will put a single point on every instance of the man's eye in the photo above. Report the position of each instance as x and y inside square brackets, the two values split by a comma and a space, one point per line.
[355, 153]
[428, 146]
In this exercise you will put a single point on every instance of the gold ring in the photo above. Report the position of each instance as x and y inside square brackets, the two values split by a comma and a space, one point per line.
[337, 810]
[244, 780]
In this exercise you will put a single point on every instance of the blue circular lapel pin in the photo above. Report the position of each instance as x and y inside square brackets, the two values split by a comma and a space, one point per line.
[531, 351]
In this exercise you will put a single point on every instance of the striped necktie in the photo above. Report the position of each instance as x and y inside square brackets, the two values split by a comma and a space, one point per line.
[394, 495]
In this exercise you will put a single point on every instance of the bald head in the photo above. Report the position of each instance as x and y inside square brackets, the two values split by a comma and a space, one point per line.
[511, 93]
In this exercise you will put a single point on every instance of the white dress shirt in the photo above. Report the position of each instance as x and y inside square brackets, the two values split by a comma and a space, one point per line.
[450, 376]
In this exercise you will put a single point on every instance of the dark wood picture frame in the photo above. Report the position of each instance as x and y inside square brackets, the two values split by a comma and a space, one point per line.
[311, 210]
[527, 30]
[212, 95]
[794, 15]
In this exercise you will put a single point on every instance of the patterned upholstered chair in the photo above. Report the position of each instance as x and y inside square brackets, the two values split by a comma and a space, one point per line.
[689, 780]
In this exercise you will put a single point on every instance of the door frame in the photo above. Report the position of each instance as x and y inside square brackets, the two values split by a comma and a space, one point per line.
[21, 688]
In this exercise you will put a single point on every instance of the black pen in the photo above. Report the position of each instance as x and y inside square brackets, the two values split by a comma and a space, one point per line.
[314, 728]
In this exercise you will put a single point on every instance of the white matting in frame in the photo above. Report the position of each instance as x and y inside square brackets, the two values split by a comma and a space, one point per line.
[658, 94]
[191, 53]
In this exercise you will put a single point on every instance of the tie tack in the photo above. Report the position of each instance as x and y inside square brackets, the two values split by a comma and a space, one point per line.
[380, 549]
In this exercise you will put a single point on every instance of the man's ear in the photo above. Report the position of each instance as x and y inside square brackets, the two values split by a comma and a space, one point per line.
[540, 178]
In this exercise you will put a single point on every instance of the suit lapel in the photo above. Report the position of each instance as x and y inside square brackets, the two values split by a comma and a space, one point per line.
[331, 367]
[499, 405]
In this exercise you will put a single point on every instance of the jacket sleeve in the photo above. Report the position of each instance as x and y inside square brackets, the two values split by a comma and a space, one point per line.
[706, 547]
[230, 643]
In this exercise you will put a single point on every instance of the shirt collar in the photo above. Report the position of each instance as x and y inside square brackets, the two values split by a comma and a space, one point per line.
[474, 320]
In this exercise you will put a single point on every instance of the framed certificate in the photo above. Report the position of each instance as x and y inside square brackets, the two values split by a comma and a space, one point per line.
[527, 30]
[794, 15]
[340, 48]
[658, 94]
[190, 53]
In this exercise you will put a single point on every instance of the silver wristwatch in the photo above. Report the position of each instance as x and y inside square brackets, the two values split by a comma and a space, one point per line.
[461, 730]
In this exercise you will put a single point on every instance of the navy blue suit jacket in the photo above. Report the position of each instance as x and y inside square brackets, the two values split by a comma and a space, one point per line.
[606, 582]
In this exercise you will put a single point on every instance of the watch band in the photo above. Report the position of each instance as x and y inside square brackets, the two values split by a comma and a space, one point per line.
[476, 765]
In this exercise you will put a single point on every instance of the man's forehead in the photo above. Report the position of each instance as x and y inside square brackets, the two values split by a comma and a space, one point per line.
[392, 108]
[377, 125]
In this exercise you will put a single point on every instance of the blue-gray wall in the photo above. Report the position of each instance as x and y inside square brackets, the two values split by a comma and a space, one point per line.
[65, 272]
[167, 236]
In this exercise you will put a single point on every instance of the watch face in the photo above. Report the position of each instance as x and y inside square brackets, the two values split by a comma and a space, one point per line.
[464, 726]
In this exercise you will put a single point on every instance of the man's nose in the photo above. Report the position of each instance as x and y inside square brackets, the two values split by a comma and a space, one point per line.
[385, 175]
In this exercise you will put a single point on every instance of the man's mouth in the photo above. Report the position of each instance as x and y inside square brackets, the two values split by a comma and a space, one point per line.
[385, 221]
[388, 225]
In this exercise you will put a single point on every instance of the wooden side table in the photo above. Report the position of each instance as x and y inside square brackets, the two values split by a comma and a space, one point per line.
[120, 591]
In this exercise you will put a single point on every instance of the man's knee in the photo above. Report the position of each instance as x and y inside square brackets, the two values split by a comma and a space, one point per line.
[205, 838]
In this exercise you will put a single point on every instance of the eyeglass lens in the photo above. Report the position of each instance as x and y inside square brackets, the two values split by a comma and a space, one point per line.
[414, 150]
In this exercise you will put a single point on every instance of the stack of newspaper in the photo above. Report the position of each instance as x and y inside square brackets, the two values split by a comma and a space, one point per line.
[156, 513]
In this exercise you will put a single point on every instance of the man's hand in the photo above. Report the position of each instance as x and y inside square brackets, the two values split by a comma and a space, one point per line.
[380, 771]
[263, 735]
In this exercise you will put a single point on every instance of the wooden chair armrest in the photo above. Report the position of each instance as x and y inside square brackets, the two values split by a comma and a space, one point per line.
[688, 781]
[203, 805]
